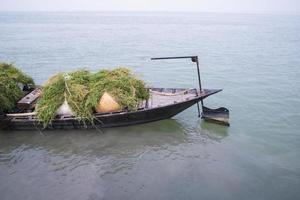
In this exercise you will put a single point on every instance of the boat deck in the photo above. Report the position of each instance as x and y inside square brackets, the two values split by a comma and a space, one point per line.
[162, 96]
[159, 97]
[165, 96]
[163, 103]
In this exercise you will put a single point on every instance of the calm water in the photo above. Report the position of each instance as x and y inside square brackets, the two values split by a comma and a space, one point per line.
[254, 58]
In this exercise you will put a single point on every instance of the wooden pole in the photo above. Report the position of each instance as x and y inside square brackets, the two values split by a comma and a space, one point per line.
[196, 60]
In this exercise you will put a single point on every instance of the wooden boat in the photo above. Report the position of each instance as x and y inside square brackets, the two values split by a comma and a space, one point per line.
[164, 103]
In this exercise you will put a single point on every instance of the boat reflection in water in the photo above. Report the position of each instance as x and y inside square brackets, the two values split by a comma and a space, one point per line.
[124, 140]
[213, 131]
[90, 162]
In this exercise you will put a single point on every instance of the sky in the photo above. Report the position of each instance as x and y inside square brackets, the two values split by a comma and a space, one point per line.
[239, 6]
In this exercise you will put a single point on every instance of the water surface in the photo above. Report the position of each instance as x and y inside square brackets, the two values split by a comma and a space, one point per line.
[254, 58]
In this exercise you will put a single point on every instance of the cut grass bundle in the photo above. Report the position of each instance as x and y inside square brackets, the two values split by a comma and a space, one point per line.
[11, 81]
[72, 87]
[82, 91]
[121, 84]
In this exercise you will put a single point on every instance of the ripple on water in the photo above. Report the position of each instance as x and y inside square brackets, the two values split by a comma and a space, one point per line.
[254, 58]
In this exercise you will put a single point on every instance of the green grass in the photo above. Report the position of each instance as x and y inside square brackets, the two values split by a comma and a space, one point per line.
[11, 80]
[73, 87]
[83, 90]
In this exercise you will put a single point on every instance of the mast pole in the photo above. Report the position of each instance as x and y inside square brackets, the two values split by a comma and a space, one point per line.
[198, 70]
[195, 59]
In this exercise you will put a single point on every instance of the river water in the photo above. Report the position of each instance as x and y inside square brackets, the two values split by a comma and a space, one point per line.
[254, 58]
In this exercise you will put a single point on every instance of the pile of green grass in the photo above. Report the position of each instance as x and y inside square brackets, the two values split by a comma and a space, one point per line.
[72, 87]
[83, 90]
[121, 84]
[11, 81]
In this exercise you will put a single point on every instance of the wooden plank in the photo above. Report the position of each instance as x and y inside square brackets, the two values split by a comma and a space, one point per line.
[21, 114]
[29, 101]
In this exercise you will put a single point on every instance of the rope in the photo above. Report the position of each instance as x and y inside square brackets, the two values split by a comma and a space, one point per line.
[67, 77]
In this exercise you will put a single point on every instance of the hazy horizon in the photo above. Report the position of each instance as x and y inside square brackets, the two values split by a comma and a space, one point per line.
[213, 6]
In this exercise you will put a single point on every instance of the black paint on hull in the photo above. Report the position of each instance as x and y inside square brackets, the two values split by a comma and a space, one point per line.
[111, 119]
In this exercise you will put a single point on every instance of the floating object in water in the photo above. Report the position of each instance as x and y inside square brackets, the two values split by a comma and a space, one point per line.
[163, 103]
[219, 115]
[160, 106]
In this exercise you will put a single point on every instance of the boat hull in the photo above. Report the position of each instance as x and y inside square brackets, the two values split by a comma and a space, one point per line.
[110, 119]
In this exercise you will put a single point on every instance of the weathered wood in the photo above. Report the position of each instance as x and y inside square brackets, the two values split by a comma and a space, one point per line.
[160, 107]
[169, 93]
[21, 114]
[29, 101]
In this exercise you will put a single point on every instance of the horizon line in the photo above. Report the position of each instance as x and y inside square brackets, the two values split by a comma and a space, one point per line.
[156, 11]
